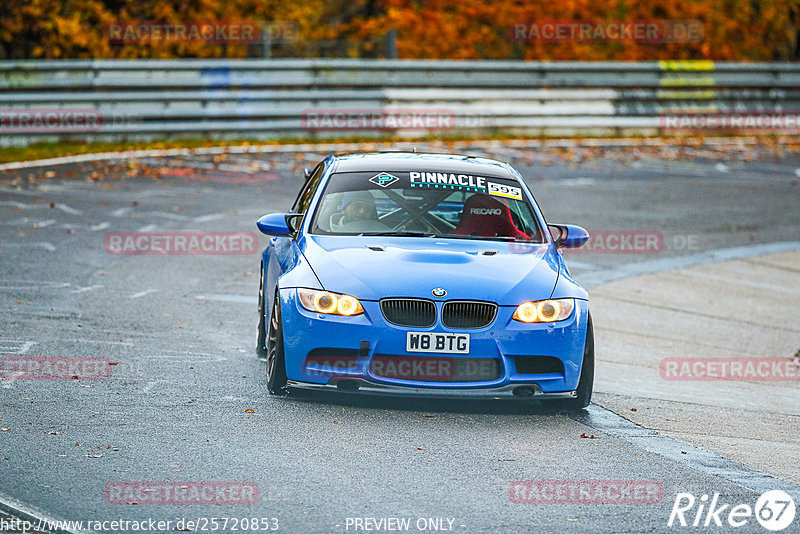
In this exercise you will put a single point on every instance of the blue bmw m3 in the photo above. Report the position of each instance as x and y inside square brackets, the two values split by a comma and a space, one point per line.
[422, 273]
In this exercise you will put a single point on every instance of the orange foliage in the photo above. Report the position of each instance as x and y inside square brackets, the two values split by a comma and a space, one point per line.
[479, 29]
[760, 30]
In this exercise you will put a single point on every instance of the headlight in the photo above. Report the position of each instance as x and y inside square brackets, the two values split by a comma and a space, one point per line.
[544, 311]
[329, 303]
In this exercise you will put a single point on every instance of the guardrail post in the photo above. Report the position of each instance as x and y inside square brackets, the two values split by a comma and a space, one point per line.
[391, 44]
[266, 43]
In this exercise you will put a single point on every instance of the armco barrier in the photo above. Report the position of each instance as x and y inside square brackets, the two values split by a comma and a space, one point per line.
[263, 99]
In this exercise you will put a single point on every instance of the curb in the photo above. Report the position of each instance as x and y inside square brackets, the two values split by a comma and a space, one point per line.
[28, 513]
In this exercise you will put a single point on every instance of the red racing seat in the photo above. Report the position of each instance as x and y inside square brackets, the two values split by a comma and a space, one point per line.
[487, 217]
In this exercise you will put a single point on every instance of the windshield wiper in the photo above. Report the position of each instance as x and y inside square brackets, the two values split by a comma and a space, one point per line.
[398, 234]
[482, 238]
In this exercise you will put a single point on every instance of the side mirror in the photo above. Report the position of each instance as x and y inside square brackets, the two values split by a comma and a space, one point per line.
[276, 224]
[569, 235]
[307, 173]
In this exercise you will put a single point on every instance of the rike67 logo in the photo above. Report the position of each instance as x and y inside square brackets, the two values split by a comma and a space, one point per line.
[774, 510]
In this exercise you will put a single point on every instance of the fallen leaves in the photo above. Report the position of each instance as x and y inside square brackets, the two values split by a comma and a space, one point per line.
[588, 436]
[249, 411]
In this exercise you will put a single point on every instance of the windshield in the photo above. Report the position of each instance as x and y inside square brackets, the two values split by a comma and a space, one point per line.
[428, 204]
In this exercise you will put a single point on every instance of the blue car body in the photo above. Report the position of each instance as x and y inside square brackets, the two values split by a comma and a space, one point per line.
[535, 359]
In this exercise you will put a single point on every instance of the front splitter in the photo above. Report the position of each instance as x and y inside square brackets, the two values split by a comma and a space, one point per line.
[357, 385]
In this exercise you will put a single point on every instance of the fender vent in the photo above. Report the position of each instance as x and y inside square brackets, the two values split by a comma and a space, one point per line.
[488, 253]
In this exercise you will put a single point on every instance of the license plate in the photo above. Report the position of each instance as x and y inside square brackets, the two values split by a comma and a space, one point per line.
[436, 342]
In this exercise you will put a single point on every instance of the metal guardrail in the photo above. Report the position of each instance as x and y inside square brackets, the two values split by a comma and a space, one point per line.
[263, 99]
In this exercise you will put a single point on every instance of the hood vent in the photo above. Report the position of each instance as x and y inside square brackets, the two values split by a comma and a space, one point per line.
[376, 248]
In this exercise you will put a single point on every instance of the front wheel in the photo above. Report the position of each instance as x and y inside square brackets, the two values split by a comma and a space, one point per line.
[261, 341]
[586, 382]
[276, 364]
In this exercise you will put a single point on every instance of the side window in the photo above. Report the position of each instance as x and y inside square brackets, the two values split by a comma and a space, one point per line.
[525, 220]
[304, 198]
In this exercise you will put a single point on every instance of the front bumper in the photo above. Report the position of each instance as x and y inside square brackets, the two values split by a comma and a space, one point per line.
[361, 338]
[364, 386]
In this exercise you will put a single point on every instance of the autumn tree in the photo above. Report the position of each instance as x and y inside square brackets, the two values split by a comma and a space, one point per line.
[761, 30]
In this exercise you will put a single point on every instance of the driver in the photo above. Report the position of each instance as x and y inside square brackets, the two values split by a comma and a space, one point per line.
[358, 214]
[359, 210]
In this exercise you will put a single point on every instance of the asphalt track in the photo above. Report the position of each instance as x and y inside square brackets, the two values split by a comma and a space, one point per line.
[187, 399]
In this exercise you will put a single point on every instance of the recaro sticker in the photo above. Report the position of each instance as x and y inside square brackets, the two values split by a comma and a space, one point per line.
[500, 190]
[486, 211]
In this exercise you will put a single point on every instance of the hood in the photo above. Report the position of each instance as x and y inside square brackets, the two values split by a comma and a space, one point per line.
[496, 271]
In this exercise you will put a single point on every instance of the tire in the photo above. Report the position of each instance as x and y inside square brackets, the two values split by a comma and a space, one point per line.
[261, 342]
[276, 364]
[586, 382]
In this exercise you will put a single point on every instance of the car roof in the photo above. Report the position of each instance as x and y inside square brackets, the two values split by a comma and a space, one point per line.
[430, 162]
